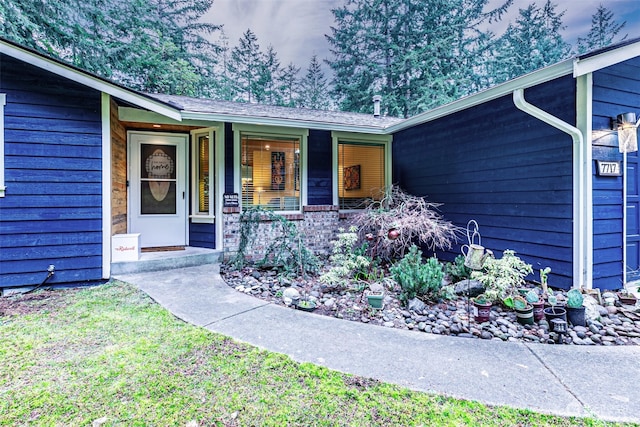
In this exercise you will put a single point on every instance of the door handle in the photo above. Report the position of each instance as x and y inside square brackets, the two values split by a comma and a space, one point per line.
[183, 195]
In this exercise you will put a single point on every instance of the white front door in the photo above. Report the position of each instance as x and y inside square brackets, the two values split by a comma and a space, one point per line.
[157, 188]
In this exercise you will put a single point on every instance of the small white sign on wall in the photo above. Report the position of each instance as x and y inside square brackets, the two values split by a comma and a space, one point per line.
[606, 168]
[125, 247]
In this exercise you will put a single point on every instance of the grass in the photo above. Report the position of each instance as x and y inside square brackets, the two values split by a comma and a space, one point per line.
[109, 353]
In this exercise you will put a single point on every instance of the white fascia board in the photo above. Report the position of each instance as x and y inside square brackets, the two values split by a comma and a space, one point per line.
[605, 59]
[535, 78]
[283, 122]
[106, 185]
[89, 81]
[130, 114]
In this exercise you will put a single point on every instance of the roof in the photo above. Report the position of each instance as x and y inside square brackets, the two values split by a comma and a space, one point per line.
[238, 112]
[186, 108]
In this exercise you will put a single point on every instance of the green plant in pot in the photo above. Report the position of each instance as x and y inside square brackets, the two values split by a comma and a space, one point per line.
[524, 310]
[537, 303]
[482, 308]
[575, 309]
[502, 277]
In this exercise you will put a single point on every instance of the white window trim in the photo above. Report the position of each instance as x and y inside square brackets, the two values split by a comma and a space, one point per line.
[3, 102]
[276, 132]
[195, 216]
[359, 138]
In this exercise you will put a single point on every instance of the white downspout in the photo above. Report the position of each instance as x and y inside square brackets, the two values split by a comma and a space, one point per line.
[581, 269]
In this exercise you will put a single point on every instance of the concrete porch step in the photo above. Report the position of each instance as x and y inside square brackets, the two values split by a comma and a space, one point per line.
[167, 260]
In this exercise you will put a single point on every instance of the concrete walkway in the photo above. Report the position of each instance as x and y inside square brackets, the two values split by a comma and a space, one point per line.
[600, 382]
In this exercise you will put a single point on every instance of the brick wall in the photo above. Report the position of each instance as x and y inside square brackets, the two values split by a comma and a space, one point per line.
[318, 226]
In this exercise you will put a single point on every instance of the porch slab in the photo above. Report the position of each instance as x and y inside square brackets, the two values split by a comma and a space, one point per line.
[167, 260]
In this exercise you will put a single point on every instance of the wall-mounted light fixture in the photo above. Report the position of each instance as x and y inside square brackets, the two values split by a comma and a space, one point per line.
[627, 128]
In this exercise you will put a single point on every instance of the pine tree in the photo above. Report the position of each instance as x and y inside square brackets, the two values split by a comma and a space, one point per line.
[269, 79]
[289, 86]
[244, 68]
[154, 45]
[533, 42]
[417, 54]
[604, 30]
[314, 88]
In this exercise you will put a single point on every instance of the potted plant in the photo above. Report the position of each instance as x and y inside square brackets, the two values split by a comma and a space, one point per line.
[554, 311]
[375, 298]
[524, 311]
[544, 276]
[575, 309]
[502, 277]
[537, 303]
[625, 296]
[481, 308]
[307, 305]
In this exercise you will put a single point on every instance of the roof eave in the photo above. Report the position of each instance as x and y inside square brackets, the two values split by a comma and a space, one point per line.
[271, 121]
[88, 80]
[528, 80]
[589, 64]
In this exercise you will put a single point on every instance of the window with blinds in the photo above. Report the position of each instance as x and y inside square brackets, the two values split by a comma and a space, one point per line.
[361, 173]
[203, 174]
[270, 170]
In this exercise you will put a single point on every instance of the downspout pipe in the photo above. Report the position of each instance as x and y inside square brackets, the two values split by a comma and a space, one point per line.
[581, 269]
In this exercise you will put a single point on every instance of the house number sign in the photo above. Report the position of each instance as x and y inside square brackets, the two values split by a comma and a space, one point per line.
[607, 168]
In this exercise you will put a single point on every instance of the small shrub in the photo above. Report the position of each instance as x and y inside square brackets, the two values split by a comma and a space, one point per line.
[417, 279]
[456, 270]
[348, 260]
[502, 277]
[412, 220]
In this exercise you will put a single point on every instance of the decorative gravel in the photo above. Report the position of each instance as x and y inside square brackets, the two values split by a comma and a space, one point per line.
[613, 325]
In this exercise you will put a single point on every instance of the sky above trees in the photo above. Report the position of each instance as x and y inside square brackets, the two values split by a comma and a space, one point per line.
[296, 28]
[417, 54]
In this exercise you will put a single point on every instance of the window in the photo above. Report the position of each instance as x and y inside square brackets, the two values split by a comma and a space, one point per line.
[271, 168]
[3, 101]
[203, 193]
[362, 169]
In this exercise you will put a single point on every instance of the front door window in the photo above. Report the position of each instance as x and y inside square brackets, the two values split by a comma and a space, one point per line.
[158, 179]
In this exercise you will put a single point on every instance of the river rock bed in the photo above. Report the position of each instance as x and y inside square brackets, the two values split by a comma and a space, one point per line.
[616, 325]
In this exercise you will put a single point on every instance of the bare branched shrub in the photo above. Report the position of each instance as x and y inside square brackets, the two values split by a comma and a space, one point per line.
[410, 219]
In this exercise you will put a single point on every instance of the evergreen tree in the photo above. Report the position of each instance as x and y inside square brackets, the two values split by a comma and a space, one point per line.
[289, 85]
[533, 42]
[269, 80]
[154, 45]
[314, 88]
[604, 29]
[244, 68]
[417, 54]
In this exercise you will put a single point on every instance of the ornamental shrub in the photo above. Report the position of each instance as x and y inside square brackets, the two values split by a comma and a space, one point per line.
[417, 279]
[502, 277]
[348, 260]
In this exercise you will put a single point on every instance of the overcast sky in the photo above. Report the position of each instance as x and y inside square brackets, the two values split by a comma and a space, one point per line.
[296, 28]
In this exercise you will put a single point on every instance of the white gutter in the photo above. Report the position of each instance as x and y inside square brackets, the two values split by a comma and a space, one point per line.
[581, 270]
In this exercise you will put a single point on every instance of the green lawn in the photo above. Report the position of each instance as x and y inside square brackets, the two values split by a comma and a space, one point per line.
[70, 357]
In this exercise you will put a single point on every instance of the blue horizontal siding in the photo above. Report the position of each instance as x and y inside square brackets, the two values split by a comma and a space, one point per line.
[616, 90]
[52, 211]
[202, 235]
[503, 168]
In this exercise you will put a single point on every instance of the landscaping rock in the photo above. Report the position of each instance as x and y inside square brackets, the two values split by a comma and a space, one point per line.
[473, 287]
[621, 327]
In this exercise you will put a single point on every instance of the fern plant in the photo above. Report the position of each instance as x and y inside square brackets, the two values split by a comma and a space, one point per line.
[417, 278]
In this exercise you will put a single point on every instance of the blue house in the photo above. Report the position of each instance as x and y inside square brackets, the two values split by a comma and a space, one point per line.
[91, 172]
